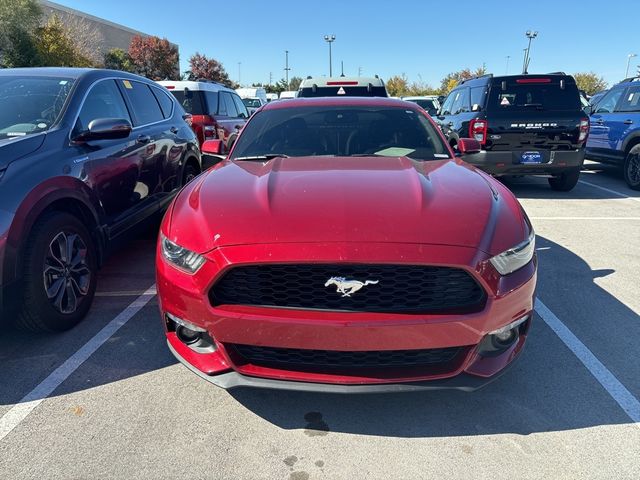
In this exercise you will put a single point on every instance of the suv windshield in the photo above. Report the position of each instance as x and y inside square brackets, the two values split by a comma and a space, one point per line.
[340, 131]
[31, 105]
[533, 96]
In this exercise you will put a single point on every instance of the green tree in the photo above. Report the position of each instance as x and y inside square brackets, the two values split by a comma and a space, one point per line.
[118, 59]
[590, 82]
[452, 79]
[19, 20]
[397, 86]
[56, 47]
[154, 58]
[294, 83]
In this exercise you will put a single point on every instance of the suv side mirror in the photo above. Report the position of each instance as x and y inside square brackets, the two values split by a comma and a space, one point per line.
[588, 109]
[212, 147]
[468, 146]
[105, 129]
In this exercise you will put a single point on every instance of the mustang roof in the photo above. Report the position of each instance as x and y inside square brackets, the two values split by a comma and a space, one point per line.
[337, 101]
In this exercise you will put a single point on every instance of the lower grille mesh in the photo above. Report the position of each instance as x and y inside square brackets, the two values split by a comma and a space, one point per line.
[289, 357]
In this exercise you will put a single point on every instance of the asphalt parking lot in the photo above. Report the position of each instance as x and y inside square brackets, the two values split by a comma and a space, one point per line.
[108, 400]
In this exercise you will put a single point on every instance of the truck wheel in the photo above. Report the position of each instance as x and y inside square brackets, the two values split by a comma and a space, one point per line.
[565, 181]
[632, 168]
[60, 269]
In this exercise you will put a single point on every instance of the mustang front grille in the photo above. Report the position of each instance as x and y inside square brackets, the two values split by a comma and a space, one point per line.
[350, 287]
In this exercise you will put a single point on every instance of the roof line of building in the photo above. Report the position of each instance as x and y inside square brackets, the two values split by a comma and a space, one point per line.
[73, 11]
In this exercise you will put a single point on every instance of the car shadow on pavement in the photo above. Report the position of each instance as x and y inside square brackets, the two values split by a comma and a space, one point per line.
[548, 389]
[607, 176]
[138, 347]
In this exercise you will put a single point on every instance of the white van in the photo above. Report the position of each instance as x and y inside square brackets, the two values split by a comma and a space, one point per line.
[253, 98]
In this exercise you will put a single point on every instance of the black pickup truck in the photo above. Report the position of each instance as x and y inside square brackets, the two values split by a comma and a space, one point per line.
[526, 124]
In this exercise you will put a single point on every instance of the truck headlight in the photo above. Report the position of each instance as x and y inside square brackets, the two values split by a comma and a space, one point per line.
[180, 256]
[515, 258]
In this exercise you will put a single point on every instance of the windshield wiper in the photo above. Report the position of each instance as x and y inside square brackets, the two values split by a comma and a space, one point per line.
[539, 106]
[261, 158]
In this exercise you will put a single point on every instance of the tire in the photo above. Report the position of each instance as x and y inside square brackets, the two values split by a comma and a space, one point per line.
[190, 172]
[565, 181]
[632, 168]
[58, 288]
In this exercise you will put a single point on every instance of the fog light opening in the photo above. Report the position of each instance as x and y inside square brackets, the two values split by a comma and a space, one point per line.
[194, 337]
[500, 340]
[187, 336]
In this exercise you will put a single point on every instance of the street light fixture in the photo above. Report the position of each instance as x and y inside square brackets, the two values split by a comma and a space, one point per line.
[531, 34]
[629, 57]
[330, 39]
[286, 67]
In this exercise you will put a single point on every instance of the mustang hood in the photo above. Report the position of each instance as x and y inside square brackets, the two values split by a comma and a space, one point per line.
[12, 149]
[347, 199]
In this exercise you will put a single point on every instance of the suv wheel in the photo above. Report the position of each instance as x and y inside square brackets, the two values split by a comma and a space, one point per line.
[632, 168]
[60, 270]
[190, 172]
[565, 181]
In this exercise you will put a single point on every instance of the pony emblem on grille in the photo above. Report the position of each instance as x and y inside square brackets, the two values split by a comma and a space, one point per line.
[348, 287]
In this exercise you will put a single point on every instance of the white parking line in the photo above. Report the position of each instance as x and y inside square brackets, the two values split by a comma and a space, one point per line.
[22, 409]
[584, 218]
[127, 293]
[608, 380]
[619, 194]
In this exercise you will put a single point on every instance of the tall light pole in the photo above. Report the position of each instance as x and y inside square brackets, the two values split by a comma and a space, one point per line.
[507, 70]
[330, 39]
[239, 76]
[629, 57]
[530, 35]
[286, 67]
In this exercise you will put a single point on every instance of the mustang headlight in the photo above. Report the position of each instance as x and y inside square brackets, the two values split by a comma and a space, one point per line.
[180, 256]
[516, 257]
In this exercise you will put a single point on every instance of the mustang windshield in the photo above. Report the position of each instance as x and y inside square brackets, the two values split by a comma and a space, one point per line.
[340, 131]
[30, 104]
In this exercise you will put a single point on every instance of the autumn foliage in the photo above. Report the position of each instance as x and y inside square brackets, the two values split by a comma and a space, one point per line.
[154, 58]
[202, 67]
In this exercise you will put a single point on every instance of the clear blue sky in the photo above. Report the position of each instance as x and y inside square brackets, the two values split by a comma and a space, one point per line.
[424, 40]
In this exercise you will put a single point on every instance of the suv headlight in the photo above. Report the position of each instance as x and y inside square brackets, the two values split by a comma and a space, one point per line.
[180, 256]
[515, 258]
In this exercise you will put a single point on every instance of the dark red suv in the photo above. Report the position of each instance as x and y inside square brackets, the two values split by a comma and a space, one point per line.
[217, 112]
[85, 155]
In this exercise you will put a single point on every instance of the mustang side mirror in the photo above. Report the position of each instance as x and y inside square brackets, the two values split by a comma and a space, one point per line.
[468, 146]
[105, 129]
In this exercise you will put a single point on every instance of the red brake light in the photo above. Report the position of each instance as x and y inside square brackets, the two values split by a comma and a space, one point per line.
[533, 80]
[342, 83]
[478, 130]
[169, 87]
[584, 130]
[209, 128]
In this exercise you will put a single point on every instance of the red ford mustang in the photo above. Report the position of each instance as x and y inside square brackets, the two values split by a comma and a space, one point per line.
[342, 247]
